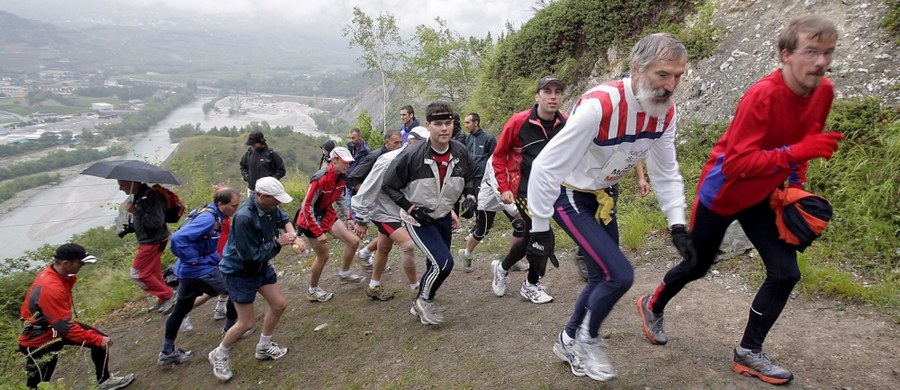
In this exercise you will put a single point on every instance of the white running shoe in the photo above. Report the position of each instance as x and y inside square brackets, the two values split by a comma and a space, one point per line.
[499, 278]
[535, 293]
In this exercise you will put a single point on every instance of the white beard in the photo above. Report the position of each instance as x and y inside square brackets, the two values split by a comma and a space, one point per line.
[645, 95]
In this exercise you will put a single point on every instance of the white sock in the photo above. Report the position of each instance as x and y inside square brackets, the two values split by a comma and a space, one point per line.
[264, 341]
[465, 252]
[374, 283]
[313, 289]
[565, 338]
[414, 286]
[364, 252]
[220, 304]
[344, 274]
[221, 351]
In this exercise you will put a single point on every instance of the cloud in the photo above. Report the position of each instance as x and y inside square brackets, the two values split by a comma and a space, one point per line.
[330, 16]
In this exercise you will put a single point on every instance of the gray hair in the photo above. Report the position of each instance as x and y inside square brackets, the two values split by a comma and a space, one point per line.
[656, 47]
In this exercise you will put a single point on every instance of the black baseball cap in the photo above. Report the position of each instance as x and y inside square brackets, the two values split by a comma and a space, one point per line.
[71, 251]
[256, 136]
[549, 79]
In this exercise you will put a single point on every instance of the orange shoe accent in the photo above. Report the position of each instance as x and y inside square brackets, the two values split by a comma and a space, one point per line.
[640, 309]
[747, 371]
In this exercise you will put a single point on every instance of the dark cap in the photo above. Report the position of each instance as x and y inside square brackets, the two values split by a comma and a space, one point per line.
[256, 136]
[546, 80]
[328, 145]
[70, 251]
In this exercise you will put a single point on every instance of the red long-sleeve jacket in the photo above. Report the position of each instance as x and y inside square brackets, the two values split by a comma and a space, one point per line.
[47, 312]
[316, 214]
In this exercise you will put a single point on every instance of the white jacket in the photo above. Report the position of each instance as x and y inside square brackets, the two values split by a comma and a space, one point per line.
[605, 137]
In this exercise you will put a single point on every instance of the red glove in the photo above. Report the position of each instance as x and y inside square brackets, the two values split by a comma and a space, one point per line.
[815, 146]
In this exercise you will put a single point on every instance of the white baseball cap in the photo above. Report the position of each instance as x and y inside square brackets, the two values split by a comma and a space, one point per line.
[342, 153]
[271, 186]
[419, 133]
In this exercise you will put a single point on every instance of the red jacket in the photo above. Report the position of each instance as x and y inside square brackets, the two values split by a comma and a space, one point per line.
[316, 214]
[47, 310]
[520, 141]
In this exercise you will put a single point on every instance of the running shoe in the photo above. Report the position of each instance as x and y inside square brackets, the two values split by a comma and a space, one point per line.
[650, 322]
[595, 362]
[468, 259]
[219, 313]
[177, 356]
[367, 261]
[319, 295]
[566, 352]
[221, 367]
[186, 325]
[499, 280]
[759, 365]
[427, 311]
[535, 293]
[352, 278]
[116, 382]
[379, 294]
[166, 307]
[273, 351]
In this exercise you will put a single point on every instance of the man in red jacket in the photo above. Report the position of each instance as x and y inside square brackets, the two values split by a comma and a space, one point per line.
[48, 325]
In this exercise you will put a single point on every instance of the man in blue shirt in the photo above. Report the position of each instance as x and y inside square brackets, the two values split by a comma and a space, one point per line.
[254, 241]
[197, 267]
[408, 117]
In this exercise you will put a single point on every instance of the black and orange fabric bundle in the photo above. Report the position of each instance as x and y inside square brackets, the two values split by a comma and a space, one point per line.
[800, 216]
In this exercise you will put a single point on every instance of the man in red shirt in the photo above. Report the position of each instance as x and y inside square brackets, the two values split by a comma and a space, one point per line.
[48, 326]
[776, 130]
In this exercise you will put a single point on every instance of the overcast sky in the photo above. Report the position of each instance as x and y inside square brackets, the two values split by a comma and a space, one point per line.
[326, 16]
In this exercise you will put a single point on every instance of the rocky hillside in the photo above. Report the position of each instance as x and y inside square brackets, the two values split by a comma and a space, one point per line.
[865, 62]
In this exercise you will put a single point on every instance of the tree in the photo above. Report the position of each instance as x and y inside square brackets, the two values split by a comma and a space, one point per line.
[443, 64]
[381, 44]
[364, 124]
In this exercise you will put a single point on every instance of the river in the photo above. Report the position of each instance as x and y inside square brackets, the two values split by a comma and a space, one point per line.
[83, 202]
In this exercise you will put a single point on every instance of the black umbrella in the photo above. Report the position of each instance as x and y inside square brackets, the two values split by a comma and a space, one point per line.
[132, 170]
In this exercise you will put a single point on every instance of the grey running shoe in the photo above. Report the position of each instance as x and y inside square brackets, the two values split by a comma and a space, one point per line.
[534, 293]
[366, 261]
[594, 360]
[427, 311]
[319, 295]
[273, 351]
[759, 365]
[650, 322]
[379, 294]
[566, 353]
[116, 382]
[186, 325]
[166, 307]
[219, 314]
[177, 356]
[582, 268]
[352, 278]
[499, 278]
[221, 367]
[467, 258]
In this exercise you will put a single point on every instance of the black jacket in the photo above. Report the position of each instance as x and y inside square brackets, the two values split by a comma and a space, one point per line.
[257, 164]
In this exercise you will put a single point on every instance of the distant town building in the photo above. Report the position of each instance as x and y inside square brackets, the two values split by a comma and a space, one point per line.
[101, 107]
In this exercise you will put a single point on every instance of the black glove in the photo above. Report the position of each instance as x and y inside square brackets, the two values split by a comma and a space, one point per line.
[421, 215]
[468, 207]
[682, 241]
[540, 244]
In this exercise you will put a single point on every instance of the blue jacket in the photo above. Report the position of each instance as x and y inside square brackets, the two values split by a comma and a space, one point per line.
[251, 243]
[195, 243]
[404, 129]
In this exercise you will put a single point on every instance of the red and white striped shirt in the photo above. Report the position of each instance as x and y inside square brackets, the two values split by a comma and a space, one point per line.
[605, 137]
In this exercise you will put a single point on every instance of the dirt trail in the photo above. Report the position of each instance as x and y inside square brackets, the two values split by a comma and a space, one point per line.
[490, 343]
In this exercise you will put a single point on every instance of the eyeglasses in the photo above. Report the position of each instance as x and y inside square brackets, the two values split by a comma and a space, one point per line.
[811, 54]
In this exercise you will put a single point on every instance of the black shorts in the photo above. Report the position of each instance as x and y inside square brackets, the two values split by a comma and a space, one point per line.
[387, 228]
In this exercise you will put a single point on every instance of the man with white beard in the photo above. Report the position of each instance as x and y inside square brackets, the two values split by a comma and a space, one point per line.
[611, 129]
